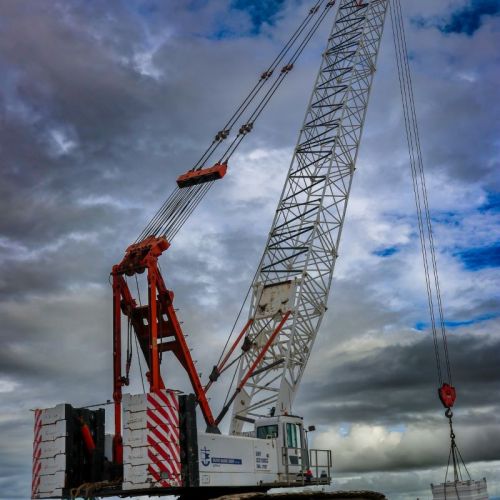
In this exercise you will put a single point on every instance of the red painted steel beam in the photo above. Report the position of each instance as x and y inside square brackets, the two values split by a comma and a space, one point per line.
[138, 258]
[252, 368]
[263, 351]
[183, 354]
[221, 365]
[154, 363]
[194, 177]
[117, 370]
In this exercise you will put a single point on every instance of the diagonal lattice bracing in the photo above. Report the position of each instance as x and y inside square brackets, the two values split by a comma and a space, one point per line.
[305, 234]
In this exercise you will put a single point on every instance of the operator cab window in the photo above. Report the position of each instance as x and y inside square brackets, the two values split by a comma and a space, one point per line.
[293, 435]
[267, 432]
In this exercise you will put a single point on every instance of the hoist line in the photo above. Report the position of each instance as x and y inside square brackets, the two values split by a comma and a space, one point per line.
[195, 202]
[425, 232]
[159, 214]
[426, 202]
[419, 186]
[157, 222]
[178, 210]
[409, 137]
[181, 203]
[175, 205]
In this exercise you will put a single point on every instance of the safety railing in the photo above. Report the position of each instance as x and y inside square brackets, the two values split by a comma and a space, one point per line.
[320, 464]
[291, 459]
[307, 467]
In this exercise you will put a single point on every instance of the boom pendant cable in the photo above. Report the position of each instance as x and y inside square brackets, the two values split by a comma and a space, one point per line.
[261, 83]
[181, 203]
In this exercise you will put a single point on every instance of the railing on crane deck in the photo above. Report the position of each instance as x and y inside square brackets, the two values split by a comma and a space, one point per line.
[315, 466]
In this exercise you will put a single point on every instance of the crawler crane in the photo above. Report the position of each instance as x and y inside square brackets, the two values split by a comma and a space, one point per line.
[157, 447]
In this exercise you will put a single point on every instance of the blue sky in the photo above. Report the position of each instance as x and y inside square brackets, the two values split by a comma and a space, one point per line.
[260, 12]
[470, 17]
[465, 19]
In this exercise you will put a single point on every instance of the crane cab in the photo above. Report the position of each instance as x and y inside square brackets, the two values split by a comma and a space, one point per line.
[291, 443]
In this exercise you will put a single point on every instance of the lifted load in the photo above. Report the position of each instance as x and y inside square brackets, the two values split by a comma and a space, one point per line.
[460, 490]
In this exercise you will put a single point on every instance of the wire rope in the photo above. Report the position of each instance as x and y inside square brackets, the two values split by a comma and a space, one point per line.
[424, 223]
[181, 203]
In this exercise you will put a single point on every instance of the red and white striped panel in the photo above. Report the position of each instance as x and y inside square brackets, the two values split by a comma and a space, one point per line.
[163, 438]
[35, 481]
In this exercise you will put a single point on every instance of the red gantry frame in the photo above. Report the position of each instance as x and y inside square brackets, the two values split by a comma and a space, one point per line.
[158, 330]
[156, 325]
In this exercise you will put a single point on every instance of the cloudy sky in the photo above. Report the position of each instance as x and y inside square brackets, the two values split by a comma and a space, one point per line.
[103, 104]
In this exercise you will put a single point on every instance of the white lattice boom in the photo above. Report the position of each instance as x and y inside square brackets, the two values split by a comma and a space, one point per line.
[304, 238]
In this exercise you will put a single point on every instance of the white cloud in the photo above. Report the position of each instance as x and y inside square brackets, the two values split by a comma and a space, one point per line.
[62, 143]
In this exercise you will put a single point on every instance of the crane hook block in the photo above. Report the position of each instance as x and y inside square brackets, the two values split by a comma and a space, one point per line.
[447, 395]
[194, 177]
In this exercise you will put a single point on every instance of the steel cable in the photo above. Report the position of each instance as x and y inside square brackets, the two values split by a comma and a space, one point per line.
[425, 197]
[260, 83]
[181, 203]
[420, 189]
[271, 91]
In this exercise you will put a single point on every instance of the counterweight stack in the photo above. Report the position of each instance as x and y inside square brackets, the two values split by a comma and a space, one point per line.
[303, 242]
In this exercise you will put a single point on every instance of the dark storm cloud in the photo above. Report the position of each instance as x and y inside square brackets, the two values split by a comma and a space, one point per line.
[382, 411]
[73, 76]
[67, 88]
[400, 383]
[68, 75]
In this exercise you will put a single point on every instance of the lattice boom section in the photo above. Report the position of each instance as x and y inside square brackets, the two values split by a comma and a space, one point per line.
[304, 239]
[151, 448]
